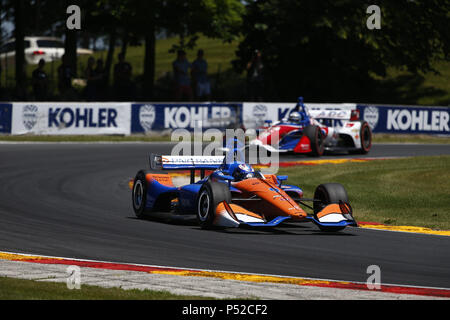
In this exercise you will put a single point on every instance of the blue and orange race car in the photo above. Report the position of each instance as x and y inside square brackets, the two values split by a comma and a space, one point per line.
[235, 195]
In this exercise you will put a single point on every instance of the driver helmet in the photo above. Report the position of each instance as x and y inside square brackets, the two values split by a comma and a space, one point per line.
[243, 171]
[295, 117]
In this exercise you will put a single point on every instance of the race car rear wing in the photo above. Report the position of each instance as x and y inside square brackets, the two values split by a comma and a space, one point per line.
[185, 162]
[336, 112]
[191, 163]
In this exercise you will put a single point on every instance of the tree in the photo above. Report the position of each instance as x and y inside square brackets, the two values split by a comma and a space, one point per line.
[145, 20]
[216, 19]
[129, 20]
[324, 50]
[70, 44]
[108, 17]
[220, 19]
[19, 34]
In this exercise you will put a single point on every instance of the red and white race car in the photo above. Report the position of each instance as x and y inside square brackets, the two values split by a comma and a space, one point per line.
[316, 131]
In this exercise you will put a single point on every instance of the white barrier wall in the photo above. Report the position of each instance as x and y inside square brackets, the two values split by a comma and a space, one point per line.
[125, 118]
[71, 118]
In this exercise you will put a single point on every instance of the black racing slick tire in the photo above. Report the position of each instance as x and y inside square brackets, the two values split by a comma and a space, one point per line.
[211, 194]
[315, 136]
[365, 136]
[328, 194]
[139, 194]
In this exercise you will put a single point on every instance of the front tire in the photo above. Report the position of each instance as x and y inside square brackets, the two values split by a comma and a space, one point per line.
[211, 195]
[139, 194]
[328, 194]
[317, 140]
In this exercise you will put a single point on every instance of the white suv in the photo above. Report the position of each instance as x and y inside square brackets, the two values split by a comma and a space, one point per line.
[37, 48]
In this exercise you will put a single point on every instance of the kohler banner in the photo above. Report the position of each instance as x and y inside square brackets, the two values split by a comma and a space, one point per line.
[150, 117]
[71, 118]
[407, 120]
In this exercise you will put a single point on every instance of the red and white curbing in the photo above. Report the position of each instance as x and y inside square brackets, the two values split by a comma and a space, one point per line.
[208, 283]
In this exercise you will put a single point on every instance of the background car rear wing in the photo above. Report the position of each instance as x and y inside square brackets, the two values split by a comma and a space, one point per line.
[345, 111]
[334, 113]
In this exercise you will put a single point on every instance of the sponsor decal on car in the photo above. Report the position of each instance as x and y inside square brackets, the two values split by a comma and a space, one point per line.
[304, 146]
[192, 160]
[330, 114]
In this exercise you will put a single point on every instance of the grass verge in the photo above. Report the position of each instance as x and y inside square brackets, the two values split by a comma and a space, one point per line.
[412, 191]
[18, 289]
[408, 138]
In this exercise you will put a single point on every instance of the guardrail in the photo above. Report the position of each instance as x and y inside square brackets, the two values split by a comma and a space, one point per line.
[18, 118]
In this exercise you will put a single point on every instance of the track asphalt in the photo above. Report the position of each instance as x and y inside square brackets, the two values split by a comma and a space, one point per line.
[73, 200]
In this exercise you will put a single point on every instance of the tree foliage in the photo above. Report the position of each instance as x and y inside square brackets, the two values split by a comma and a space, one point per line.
[213, 18]
[320, 49]
[323, 49]
[130, 21]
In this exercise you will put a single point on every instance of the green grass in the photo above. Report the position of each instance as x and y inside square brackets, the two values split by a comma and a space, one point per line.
[18, 289]
[403, 87]
[413, 191]
[407, 138]
[218, 54]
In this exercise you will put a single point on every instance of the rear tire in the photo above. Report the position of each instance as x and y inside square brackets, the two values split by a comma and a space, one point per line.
[210, 195]
[365, 136]
[315, 136]
[139, 194]
[328, 194]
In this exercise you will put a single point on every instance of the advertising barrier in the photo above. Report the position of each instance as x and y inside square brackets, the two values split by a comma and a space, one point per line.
[71, 118]
[160, 117]
[129, 118]
[382, 119]
[5, 118]
[407, 120]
